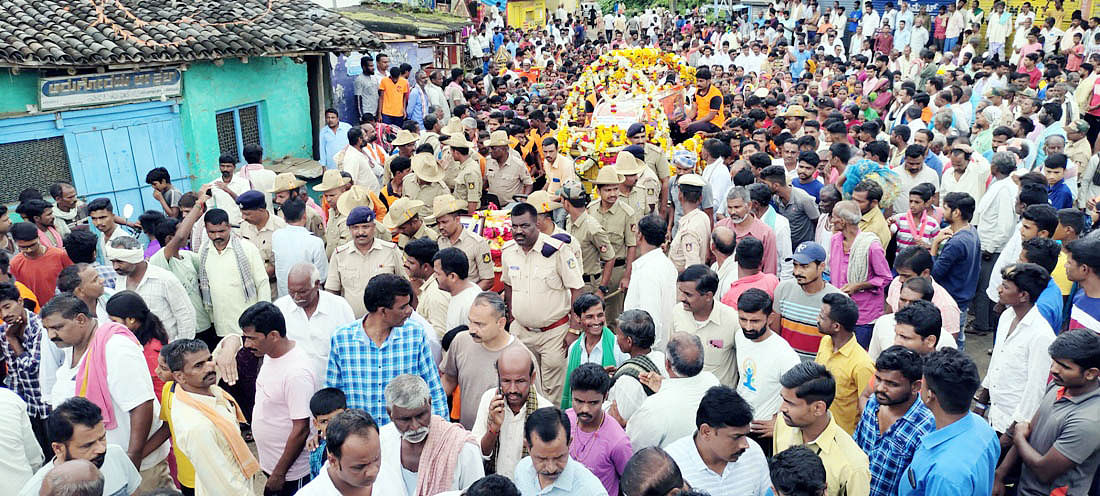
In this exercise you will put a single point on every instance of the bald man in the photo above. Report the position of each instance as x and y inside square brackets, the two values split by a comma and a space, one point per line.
[652, 471]
[503, 410]
[77, 477]
[723, 242]
[312, 314]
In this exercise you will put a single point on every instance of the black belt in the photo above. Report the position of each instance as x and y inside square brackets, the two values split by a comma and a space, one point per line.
[588, 278]
[619, 262]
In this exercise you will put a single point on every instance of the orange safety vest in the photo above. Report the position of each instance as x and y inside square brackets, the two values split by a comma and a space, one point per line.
[702, 106]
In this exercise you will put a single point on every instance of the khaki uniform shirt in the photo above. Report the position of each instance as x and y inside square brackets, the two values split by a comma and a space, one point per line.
[561, 169]
[261, 238]
[573, 245]
[349, 270]
[468, 183]
[645, 194]
[507, 180]
[689, 247]
[541, 280]
[717, 334]
[476, 249]
[657, 161]
[595, 246]
[432, 303]
[423, 232]
[411, 188]
[621, 223]
[450, 167]
[336, 232]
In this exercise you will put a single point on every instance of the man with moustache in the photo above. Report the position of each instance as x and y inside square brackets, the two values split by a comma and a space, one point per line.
[28, 356]
[206, 421]
[599, 442]
[416, 441]
[485, 342]
[353, 264]
[77, 433]
[312, 315]
[720, 458]
[762, 358]
[502, 411]
[894, 420]
[550, 471]
[287, 186]
[353, 455]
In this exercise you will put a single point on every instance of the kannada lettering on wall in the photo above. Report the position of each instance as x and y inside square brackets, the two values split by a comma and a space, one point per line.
[110, 87]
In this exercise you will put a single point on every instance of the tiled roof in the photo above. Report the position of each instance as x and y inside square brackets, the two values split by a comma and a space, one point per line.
[398, 19]
[66, 33]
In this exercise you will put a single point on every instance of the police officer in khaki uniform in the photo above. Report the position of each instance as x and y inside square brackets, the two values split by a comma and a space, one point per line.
[405, 143]
[451, 167]
[548, 207]
[336, 231]
[655, 159]
[620, 221]
[425, 183]
[258, 226]
[468, 183]
[541, 279]
[507, 174]
[691, 244]
[287, 186]
[446, 210]
[640, 189]
[354, 263]
[403, 218]
[597, 254]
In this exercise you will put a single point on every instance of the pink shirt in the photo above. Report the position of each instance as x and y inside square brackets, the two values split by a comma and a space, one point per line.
[283, 389]
[603, 452]
[878, 274]
[761, 231]
[760, 280]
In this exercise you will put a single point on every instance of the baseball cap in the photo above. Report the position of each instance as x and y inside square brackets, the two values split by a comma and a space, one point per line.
[807, 252]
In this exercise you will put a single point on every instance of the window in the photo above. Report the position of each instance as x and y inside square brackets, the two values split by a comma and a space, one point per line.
[238, 127]
[33, 164]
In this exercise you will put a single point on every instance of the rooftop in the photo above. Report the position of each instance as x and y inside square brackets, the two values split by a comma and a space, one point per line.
[399, 19]
[89, 33]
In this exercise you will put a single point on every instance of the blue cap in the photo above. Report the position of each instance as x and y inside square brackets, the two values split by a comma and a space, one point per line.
[360, 215]
[637, 150]
[807, 252]
[251, 200]
[635, 128]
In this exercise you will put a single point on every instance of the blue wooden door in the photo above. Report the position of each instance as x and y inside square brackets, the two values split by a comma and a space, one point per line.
[111, 159]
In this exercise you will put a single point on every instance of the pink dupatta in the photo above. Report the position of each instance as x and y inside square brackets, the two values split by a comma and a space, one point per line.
[91, 378]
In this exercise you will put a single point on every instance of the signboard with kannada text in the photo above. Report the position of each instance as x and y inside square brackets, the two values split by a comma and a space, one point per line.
[108, 87]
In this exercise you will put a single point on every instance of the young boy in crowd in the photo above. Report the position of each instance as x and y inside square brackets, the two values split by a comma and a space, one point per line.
[1054, 168]
[163, 191]
[324, 405]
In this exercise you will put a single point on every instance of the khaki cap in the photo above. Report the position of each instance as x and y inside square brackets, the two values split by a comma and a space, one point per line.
[286, 182]
[608, 175]
[404, 137]
[795, 111]
[331, 180]
[426, 169]
[447, 204]
[542, 202]
[453, 126]
[356, 196]
[691, 180]
[498, 138]
[627, 164]
[401, 211]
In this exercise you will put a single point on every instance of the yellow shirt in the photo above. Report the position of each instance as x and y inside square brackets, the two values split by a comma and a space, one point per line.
[874, 222]
[185, 471]
[1059, 275]
[846, 466]
[852, 369]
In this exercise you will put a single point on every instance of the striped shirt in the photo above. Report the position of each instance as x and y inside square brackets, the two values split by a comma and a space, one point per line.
[748, 476]
[907, 235]
[361, 369]
[891, 452]
[1085, 313]
[798, 313]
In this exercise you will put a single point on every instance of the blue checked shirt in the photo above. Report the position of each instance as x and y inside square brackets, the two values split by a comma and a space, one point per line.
[110, 277]
[362, 369]
[890, 453]
[23, 368]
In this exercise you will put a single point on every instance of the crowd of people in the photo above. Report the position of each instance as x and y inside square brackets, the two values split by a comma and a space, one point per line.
[784, 311]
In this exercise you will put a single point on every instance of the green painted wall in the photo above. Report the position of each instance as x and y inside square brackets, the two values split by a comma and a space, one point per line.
[18, 91]
[278, 84]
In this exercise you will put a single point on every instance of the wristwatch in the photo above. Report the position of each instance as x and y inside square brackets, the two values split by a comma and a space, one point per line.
[575, 332]
[604, 289]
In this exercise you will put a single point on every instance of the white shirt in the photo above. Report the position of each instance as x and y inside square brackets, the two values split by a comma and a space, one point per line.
[995, 215]
[748, 476]
[628, 394]
[292, 245]
[884, 331]
[782, 228]
[907, 181]
[322, 485]
[717, 175]
[1018, 369]
[653, 289]
[468, 469]
[130, 384]
[221, 199]
[20, 454]
[120, 478]
[458, 312]
[596, 356]
[51, 360]
[510, 438]
[972, 180]
[664, 417]
[727, 274]
[314, 334]
[759, 366]
[167, 299]
[359, 166]
[1010, 254]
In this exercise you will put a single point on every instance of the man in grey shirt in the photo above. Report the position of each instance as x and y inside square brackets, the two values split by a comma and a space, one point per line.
[796, 205]
[366, 87]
